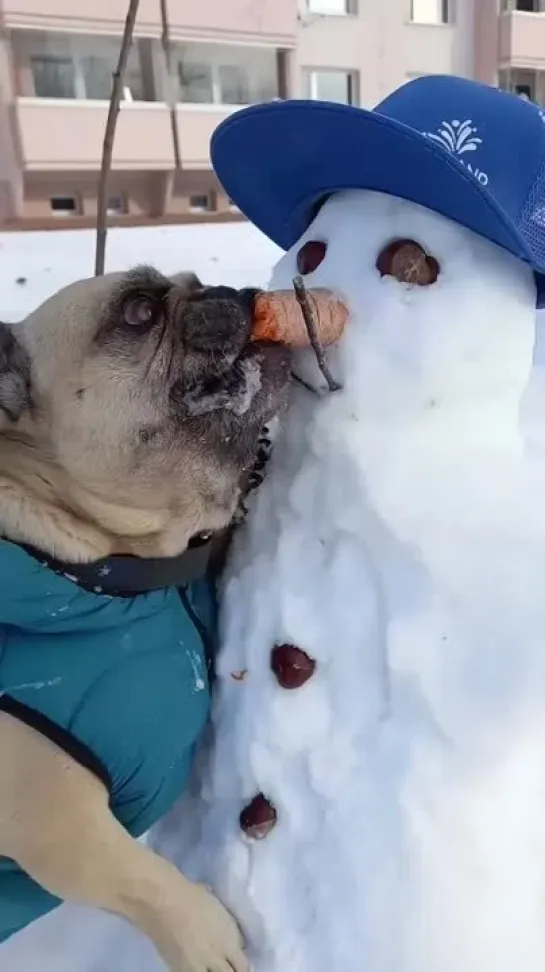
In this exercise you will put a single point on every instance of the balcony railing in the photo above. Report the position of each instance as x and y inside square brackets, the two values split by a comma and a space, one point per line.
[522, 39]
[68, 135]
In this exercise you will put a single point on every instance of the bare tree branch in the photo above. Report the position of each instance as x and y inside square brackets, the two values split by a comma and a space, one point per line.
[109, 135]
[171, 89]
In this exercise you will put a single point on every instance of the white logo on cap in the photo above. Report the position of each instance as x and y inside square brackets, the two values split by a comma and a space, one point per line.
[459, 138]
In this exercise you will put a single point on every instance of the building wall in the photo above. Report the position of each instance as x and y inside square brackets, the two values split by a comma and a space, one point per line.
[135, 189]
[142, 195]
[386, 48]
[57, 57]
[271, 21]
[487, 40]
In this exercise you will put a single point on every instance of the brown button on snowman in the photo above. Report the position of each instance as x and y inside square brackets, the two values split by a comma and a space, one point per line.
[292, 668]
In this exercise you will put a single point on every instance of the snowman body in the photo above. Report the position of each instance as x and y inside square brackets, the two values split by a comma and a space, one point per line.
[398, 540]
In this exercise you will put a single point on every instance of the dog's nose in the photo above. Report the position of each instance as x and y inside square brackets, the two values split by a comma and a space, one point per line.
[218, 318]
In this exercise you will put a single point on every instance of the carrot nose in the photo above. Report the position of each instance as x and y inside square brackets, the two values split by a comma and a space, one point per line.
[278, 317]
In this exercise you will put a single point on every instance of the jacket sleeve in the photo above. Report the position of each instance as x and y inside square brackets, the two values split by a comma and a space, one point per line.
[142, 721]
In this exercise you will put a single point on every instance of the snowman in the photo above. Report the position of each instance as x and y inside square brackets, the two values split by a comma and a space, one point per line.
[372, 798]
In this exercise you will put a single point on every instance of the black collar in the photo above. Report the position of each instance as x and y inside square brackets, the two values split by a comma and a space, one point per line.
[126, 576]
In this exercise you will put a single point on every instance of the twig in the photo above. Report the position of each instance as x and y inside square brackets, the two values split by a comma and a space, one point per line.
[109, 135]
[303, 383]
[306, 309]
[171, 95]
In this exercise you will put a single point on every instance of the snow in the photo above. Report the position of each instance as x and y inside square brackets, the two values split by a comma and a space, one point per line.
[228, 253]
[399, 539]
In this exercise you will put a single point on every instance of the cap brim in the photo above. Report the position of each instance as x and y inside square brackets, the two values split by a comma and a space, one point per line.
[278, 160]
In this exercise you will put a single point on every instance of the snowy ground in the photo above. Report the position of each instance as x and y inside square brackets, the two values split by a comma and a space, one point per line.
[231, 253]
[72, 939]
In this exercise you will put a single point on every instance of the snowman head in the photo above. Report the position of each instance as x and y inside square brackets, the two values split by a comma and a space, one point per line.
[439, 148]
[439, 316]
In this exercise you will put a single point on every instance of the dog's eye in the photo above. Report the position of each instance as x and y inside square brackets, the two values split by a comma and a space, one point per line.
[408, 262]
[139, 312]
[310, 256]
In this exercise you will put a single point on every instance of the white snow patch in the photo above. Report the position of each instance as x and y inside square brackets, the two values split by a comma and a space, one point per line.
[37, 686]
[398, 539]
[251, 385]
[199, 401]
[231, 253]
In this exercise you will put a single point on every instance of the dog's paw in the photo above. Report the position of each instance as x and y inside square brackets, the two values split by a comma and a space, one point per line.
[206, 937]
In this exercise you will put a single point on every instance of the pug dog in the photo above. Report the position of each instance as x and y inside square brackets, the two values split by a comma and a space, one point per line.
[130, 411]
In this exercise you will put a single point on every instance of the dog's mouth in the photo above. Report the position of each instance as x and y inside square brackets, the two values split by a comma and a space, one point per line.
[241, 378]
[255, 382]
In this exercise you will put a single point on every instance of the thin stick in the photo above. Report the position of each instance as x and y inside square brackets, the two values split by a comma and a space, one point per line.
[171, 94]
[306, 309]
[109, 135]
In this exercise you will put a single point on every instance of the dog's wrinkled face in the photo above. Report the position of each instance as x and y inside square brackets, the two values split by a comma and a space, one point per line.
[148, 394]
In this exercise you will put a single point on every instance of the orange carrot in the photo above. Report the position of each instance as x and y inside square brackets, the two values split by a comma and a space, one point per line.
[278, 318]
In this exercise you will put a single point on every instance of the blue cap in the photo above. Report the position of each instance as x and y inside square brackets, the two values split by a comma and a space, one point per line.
[463, 149]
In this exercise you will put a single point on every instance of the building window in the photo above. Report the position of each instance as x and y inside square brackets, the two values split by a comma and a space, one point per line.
[526, 84]
[331, 8]
[97, 76]
[233, 84]
[117, 206]
[432, 11]
[526, 6]
[196, 85]
[53, 77]
[221, 74]
[64, 206]
[74, 66]
[201, 202]
[332, 85]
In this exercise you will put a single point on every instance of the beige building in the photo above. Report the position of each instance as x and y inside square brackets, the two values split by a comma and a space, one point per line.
[57, 59]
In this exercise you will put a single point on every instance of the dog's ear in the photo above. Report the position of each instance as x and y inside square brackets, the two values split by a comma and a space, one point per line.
[188, 281]
[15, 381]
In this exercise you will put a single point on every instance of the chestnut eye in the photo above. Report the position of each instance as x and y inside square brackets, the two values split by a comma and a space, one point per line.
[310, 256]
[139, 312]
[408, 262]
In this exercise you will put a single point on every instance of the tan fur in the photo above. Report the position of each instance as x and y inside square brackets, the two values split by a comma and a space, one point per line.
[73, 484]
[83, 525]
[105, 508]
[55, 822]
